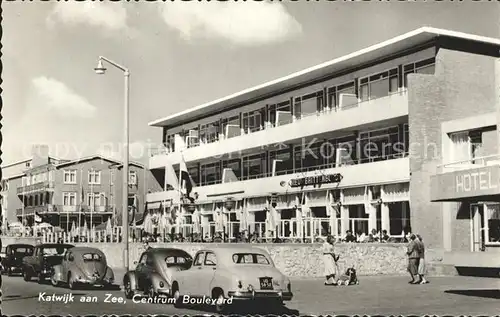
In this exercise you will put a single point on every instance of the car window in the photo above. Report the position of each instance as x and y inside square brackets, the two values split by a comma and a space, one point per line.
[250, 258]
[71, 258]
[91, 257]
[23, 250]
[198, 259]
[143, 258]
[210, 259]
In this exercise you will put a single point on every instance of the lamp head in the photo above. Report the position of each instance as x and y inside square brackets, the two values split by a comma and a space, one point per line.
[100, 69]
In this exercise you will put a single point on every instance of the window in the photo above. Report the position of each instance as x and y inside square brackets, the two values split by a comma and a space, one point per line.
[132, 177]
[192, 138]
[95, 199]
[378, 85]
[284, 161]
[493, 223]
[69, 176]
[399, 218]
[254, 166]
[211, 174]
[379, 144]
[210, 259]
[281, 107]
[308, 157]
[253, 120]
[250, 258]
[231, 126]
[198, 260]
[194, 173]
[422, 67]
[346, 151]
[69, 199]
[234, 165]
[461, 149]
[94, 177]
[308, 104]
[209, 132]
[406, 131]
[91, 257]
[170, 142]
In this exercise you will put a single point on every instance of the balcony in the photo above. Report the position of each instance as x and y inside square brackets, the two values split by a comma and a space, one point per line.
[36, 188]
[61, 209]
[345, 117]
[478, 178]
[388, 171]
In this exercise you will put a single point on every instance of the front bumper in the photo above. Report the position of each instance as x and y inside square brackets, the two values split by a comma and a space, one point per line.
[260, 295]
[94, 282]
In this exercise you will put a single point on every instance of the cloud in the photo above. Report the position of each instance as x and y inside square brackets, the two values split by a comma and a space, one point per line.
[112, 16]
[248, 23]
[56, 96]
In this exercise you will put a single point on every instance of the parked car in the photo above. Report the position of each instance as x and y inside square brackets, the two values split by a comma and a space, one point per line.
[44, 257]
[243, 273]
[83, 266]
[153, 272]
[12, 260]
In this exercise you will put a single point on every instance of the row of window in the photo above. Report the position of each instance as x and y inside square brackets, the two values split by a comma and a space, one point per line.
[94, 177]
[92, 199]
[370, 146]
[363, 89]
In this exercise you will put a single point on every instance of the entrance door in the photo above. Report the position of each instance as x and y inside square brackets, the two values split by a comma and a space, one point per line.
[477, 227]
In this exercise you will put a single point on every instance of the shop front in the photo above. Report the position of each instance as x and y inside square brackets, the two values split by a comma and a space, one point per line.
[472, 194]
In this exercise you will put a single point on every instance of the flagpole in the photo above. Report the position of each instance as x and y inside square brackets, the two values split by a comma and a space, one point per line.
[92, 200]
[81, 202]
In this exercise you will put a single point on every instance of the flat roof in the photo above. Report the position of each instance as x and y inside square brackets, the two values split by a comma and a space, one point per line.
[399, 43]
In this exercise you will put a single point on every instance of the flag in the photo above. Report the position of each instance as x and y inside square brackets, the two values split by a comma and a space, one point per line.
[185, 179]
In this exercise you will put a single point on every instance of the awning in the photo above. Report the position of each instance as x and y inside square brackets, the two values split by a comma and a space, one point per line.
[473, 184]
[155, 205]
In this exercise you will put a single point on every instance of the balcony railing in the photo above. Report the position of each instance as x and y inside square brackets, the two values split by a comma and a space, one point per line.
[470, 163]
[62, 209]
[42, 186]
[349, 102]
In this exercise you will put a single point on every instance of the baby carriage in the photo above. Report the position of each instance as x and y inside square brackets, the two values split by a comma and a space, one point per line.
[349, 278]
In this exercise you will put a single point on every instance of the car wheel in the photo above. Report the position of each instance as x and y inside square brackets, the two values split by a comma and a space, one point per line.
[26, 274]
[176, 294]
[129, 293]
[71, 282]
[220, 305]
[53, 280]
[41, 278]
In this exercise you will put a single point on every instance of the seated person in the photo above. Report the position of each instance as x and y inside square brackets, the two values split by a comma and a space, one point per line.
[349, 237]
[385, 237]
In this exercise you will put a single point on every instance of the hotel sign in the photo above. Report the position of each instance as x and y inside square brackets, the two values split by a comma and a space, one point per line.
[316, 180]
[463, 184]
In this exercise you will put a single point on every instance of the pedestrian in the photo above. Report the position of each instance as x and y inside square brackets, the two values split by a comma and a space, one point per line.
[413, 259]
[422, 269]
[330, 261]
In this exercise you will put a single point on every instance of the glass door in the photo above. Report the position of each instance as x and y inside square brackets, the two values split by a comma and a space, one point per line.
[477, 227]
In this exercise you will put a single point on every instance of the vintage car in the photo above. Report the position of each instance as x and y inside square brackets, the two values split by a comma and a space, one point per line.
[83, 266]
[153, 274]
[44, 257]
[12, 261]
[243, 273]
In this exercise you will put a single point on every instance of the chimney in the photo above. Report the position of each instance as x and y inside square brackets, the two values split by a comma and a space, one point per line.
[40, 153]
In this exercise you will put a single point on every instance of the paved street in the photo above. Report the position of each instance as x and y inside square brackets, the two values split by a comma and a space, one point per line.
[375, 295]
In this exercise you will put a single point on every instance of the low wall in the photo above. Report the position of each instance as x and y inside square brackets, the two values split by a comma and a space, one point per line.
[296, 260]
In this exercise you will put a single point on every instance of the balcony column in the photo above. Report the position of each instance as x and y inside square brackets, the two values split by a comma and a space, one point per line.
[386, 221]
[251, 220]
[371, 210]
[344, 219]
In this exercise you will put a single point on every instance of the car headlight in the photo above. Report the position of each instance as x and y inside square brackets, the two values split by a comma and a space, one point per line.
[161, 284]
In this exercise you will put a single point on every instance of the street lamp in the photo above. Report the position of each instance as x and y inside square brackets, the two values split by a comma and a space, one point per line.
[100, 70]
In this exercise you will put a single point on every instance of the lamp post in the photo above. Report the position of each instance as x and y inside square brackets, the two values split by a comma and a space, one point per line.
[101, 70]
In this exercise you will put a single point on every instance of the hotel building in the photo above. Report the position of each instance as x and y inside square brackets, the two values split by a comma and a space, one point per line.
[58, 191]
[362, 142]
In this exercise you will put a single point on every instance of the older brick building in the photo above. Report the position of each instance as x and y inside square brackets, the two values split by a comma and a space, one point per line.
[59, 191]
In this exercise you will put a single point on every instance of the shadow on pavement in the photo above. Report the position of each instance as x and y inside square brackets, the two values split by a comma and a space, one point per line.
[256, 309]
[486, 293]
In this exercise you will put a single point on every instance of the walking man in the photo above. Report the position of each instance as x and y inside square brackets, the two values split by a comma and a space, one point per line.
[413, 259]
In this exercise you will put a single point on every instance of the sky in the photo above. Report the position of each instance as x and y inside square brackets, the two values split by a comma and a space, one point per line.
[180, 55]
